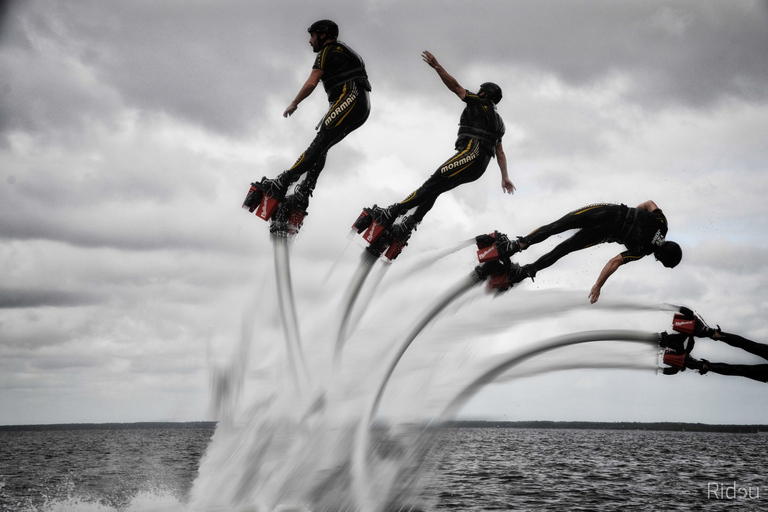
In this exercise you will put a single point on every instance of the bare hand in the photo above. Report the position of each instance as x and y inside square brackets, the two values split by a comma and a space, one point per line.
[594, 294]
[508, 186]
[430, 59]
[290, 110]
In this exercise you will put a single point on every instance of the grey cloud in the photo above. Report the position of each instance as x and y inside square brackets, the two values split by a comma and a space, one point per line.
[150, 230]
[5, 7]
[68, 362]
[732, 259]
[29, 298]
[217, 63]
[692, 53]
[44, 88]
[203, 63]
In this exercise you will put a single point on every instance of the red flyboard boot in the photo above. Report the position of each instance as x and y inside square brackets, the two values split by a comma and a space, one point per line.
[367, 226]
[681, 323]
[260, 202]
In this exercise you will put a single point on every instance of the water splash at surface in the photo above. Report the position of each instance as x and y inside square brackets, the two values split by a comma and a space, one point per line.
[318, 451]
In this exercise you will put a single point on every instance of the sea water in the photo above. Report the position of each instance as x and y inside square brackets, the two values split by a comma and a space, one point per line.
[99, 469]
[472, 469]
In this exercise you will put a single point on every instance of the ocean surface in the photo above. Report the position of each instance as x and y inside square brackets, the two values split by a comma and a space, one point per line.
[472, 469]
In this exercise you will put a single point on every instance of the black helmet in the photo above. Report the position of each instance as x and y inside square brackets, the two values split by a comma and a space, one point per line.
[492, 91]
[669, 254]
[327, 27]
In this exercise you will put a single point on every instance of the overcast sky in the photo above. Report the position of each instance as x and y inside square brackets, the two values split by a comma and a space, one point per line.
[129, 132]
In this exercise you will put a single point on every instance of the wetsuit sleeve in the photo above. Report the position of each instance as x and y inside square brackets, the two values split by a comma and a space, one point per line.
[470, 97]
[631, 255]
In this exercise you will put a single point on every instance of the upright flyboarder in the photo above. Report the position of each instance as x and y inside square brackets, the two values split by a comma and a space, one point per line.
[479, 139]
[342, 72]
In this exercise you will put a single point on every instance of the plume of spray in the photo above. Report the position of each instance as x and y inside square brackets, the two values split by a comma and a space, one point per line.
[483, 320]
[323, 449]
[649, 339]
[281, 449]
[367, 262]
[288, 314]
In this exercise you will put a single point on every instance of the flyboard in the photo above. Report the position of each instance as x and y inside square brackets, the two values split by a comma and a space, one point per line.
[381, 239]
[286, 215]
[494, 252]
[675, 348]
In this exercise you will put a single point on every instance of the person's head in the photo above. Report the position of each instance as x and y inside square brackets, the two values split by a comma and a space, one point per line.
[491, 91]
[322, 31]
[669, 254]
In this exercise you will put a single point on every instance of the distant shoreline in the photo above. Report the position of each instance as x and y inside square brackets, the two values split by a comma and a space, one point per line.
[110, 426]
[619, 425]
[574, 425]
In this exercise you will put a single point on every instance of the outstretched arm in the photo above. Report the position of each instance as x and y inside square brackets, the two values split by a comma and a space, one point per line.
[447, 79]
[501, 159]
[648, 206]
[608, 270]
[305, 91]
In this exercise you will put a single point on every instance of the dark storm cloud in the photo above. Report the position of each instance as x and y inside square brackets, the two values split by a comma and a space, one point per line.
[199, 62]
[29, 298]
[210, 63]
[687, 52]
[69, 64]
[45, 87]
[5, 6]
[148, 231]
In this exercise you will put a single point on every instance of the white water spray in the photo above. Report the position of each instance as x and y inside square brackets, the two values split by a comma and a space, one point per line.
[288, 312]
[651, 339]
[320, 450]
[367, 262]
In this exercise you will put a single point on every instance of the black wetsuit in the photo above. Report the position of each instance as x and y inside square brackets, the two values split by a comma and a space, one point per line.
[480, 130]
[346, 84]
[752, 371]
[639, 230]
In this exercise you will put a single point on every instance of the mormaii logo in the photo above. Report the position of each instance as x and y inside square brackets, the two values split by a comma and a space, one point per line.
[341, 108]
[457, 163]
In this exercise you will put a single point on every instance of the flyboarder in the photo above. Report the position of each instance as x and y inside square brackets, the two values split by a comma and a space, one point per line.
[342, 72]
[479, 139]
[642, 230]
